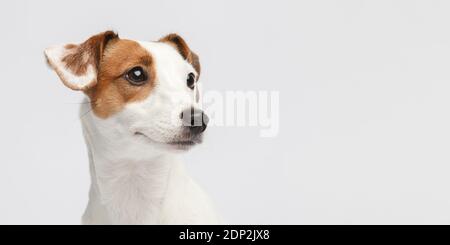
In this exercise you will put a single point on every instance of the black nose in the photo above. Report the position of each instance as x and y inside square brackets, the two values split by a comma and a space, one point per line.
[195, 119]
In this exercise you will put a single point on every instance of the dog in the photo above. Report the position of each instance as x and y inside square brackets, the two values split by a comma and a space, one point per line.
[144, 108]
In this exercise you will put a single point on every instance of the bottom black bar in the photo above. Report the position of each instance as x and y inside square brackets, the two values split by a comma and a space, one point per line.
[231, 234]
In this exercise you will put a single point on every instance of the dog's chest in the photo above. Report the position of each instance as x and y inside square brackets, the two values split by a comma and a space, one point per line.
[132, 193]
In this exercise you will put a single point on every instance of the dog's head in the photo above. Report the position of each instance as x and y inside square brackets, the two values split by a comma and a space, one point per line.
[147, 92]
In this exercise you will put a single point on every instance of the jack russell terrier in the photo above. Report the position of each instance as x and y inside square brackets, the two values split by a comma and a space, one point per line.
[144, 106]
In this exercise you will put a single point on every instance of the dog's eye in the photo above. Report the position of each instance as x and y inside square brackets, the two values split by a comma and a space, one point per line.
[191, 80]
[136, 76]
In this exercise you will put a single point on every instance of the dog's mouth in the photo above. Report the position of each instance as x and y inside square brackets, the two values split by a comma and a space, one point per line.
[180, 144]
[187, 142]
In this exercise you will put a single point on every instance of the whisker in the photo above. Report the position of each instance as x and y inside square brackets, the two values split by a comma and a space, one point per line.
[79, 103]
[85, 113]
[90, 109]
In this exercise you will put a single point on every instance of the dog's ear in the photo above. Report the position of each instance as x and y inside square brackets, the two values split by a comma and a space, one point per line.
[178, 43]
[77, 64]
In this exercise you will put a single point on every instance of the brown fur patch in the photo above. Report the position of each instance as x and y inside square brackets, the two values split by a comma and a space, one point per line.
[88, 53]
[179, 44]
[112, 91]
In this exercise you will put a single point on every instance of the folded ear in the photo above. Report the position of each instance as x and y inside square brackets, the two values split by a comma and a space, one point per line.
[77, 64]
[178, 43]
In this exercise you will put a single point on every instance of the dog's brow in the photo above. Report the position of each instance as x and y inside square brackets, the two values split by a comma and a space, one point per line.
[146, 60]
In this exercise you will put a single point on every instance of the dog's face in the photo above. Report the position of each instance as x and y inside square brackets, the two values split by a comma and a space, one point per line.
[146, 92]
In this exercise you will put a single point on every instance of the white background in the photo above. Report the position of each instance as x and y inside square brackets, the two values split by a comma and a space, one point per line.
[364, 118]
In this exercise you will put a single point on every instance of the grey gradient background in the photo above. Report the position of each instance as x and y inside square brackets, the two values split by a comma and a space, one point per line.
[364, 118]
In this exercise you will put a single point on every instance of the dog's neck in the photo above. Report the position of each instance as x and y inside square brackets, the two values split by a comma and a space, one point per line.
[125, 189]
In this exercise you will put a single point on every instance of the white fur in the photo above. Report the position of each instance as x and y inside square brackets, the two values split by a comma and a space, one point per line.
[139, 179]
